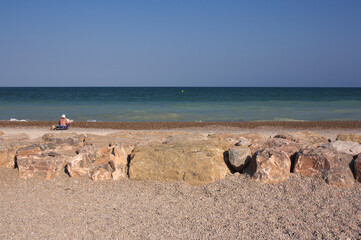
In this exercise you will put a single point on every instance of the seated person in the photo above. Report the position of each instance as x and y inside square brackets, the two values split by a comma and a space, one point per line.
[63, 123]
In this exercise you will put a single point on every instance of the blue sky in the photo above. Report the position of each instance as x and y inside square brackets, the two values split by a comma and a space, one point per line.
[180, 43]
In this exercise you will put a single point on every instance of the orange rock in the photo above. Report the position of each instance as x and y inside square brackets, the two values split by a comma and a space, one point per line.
[270, 166]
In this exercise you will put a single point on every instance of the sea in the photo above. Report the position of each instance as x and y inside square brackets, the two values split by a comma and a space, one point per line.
[179, 104]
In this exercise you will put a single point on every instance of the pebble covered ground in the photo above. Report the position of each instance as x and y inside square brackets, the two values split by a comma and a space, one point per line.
[233, 208]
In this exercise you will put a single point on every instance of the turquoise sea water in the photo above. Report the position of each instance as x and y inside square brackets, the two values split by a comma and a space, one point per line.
[123, 104]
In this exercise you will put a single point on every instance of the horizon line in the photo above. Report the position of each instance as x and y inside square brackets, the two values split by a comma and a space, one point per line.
[178, 87]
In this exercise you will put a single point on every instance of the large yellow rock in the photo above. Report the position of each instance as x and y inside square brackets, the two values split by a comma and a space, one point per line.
[349, 137]
[127, 137]
[195, 163]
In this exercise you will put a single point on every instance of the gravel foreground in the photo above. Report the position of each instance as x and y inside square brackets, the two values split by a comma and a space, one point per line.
[232, 208]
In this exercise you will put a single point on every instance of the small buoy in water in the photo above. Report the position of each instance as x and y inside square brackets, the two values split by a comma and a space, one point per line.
[182, 90]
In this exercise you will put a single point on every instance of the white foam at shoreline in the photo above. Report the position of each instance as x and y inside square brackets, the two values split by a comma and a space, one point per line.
[16, 120]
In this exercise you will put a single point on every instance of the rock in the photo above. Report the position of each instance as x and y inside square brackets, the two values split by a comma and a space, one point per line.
[339, 177]
[306, 139]
[101, 174]
[270, 166]
[7, 156]
[91, 158]
[252, 136]
[185, 137]
[327, 163]
[357, 167]
[71, 139]
[349, 137]
[78, 166]
[8, 147]
[44, 161]
[1, 133]
[34, 150]
[45, 168]
[347, 147]
[119, 161]
[87, 160]
[127, 137]
[287, 146]
[193, 162]
[243, 142]
[233, 138]
[238, 158]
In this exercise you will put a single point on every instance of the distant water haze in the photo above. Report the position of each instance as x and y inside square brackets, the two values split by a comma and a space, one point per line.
[168, 104]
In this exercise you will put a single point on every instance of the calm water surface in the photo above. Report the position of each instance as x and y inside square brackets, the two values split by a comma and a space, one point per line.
[172, 104]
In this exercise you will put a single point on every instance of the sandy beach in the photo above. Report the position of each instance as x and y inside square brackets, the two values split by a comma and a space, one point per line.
[235, 207]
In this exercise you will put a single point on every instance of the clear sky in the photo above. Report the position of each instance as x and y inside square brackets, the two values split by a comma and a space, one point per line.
[180, 43]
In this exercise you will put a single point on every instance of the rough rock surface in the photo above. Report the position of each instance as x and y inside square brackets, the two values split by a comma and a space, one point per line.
[41, 160]
[349, 137]
[118, 160]
[234, 138]
[48, 158]
[185, 137]
[130, 138]
[7, 156]
[101, 173]
[100, 162]
[195, 163]
[71, 139]
[347, 147]
[287, 146]
[306, 139]
[270, 166]
[89, 160]
[239, 157]
[8, 147]
[327, 163]
[357, 167]
[243, 142]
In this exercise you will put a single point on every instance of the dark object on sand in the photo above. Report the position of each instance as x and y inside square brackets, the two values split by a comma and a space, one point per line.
[59, 127]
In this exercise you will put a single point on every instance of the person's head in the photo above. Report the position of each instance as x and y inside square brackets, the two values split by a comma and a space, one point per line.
[63, 116]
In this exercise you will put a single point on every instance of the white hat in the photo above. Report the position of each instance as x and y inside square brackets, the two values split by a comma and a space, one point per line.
[63, 116]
